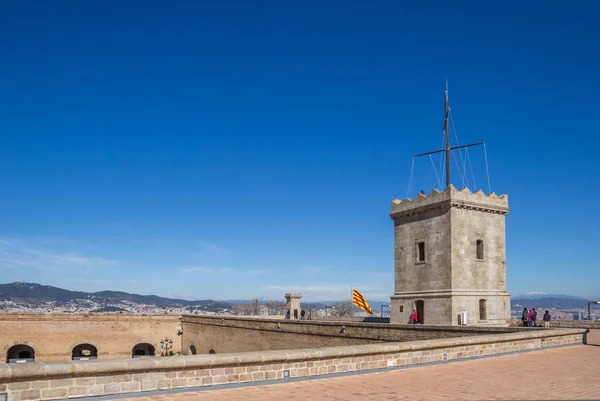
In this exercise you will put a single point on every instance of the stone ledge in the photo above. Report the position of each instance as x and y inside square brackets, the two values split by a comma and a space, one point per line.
[73, 369]
[297, 364]
[571, 324]
[450, 196]
[226, 321]
[94, 317]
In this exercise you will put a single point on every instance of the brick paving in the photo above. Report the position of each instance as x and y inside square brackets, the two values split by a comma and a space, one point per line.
[563, 373]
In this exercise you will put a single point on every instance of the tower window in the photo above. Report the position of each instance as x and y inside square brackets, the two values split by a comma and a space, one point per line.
[482, 310]
[479, 249]
[421, 251]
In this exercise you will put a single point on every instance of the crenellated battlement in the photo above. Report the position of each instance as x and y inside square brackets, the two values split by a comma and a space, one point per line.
[452, 197]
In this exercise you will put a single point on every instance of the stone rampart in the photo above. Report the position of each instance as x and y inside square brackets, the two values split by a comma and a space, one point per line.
[73, 379]
[581, 324]
[231, 334]
[53, 336]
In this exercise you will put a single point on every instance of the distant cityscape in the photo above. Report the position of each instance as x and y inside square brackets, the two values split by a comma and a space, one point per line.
[21, 297]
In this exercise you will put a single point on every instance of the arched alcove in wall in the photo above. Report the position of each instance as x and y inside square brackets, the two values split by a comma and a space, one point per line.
[142, 349]
[20, 353]
[84, 352]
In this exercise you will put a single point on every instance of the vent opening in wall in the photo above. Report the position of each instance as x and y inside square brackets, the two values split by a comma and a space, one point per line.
[401, 308]
[421, 251]
[286, 373]
[479, 246]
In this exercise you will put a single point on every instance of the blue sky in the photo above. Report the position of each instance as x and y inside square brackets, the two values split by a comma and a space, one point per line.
[237, 149]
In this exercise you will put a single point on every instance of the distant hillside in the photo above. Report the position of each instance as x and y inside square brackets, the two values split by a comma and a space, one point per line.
[549, 301]
[541, 295]
[35, 294]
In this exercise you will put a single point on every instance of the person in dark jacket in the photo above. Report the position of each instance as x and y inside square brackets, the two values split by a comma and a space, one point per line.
[547, 320]
[525, 317]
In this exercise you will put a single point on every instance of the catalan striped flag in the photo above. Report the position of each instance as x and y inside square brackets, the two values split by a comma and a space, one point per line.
[360, 301]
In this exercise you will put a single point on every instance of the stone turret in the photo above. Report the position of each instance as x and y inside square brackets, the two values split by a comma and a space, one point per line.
[293, 305]
[450, 258]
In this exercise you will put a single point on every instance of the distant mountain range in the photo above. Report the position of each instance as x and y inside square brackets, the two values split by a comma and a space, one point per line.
[540, 295]
[37, 295]
[559, 301]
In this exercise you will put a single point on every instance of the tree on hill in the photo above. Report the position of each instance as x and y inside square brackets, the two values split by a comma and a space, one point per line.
[343, 308]
[251, 308]
[275, 307]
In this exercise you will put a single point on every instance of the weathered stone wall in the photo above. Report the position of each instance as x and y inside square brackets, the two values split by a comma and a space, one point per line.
[224, 335]
[451, 278]
[73, 379]
[210, 336]
[437, 308]
[497, 306]
[469, 273]
[433, 228]
[53, 336]
[357, 319]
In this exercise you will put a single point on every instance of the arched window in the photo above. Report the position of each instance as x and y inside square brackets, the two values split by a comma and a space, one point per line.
[20, 353]
[482, 310]
[84, 352]
[192, 349]
[142, 350]
[212, 351]
[479, 245]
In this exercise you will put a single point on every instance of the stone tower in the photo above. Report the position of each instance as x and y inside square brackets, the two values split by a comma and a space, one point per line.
[293, 305]
[450, 258]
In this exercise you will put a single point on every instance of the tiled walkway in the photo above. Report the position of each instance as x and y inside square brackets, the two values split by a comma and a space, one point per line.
[564, 373]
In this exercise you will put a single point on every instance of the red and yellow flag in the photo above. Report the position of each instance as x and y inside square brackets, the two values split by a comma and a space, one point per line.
[360, 301]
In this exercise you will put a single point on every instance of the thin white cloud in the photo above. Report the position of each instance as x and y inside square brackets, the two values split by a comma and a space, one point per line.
[318, 288]
[197, 270]
[328, 292]
[336, 288]
[205, 269]
[85, 281]
[20, 254]
[318, 269]
[382, 274]
[211, 248]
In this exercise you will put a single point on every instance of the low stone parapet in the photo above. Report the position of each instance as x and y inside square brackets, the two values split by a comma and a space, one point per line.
[73, 379]
[583, 324]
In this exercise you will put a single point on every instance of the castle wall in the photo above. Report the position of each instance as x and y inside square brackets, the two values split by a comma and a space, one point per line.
[135, 377]
[437, 309]
[433, 228]
[453, 276]
[497, 308]
[469, 273]
[230, 334]
[53, 336]
[209, 335]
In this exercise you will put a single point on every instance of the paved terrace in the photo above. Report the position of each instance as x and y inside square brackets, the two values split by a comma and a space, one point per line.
[562, 373]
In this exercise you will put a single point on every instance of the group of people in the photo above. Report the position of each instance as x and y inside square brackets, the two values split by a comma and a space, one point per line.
[529, 318]
[302, 315]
